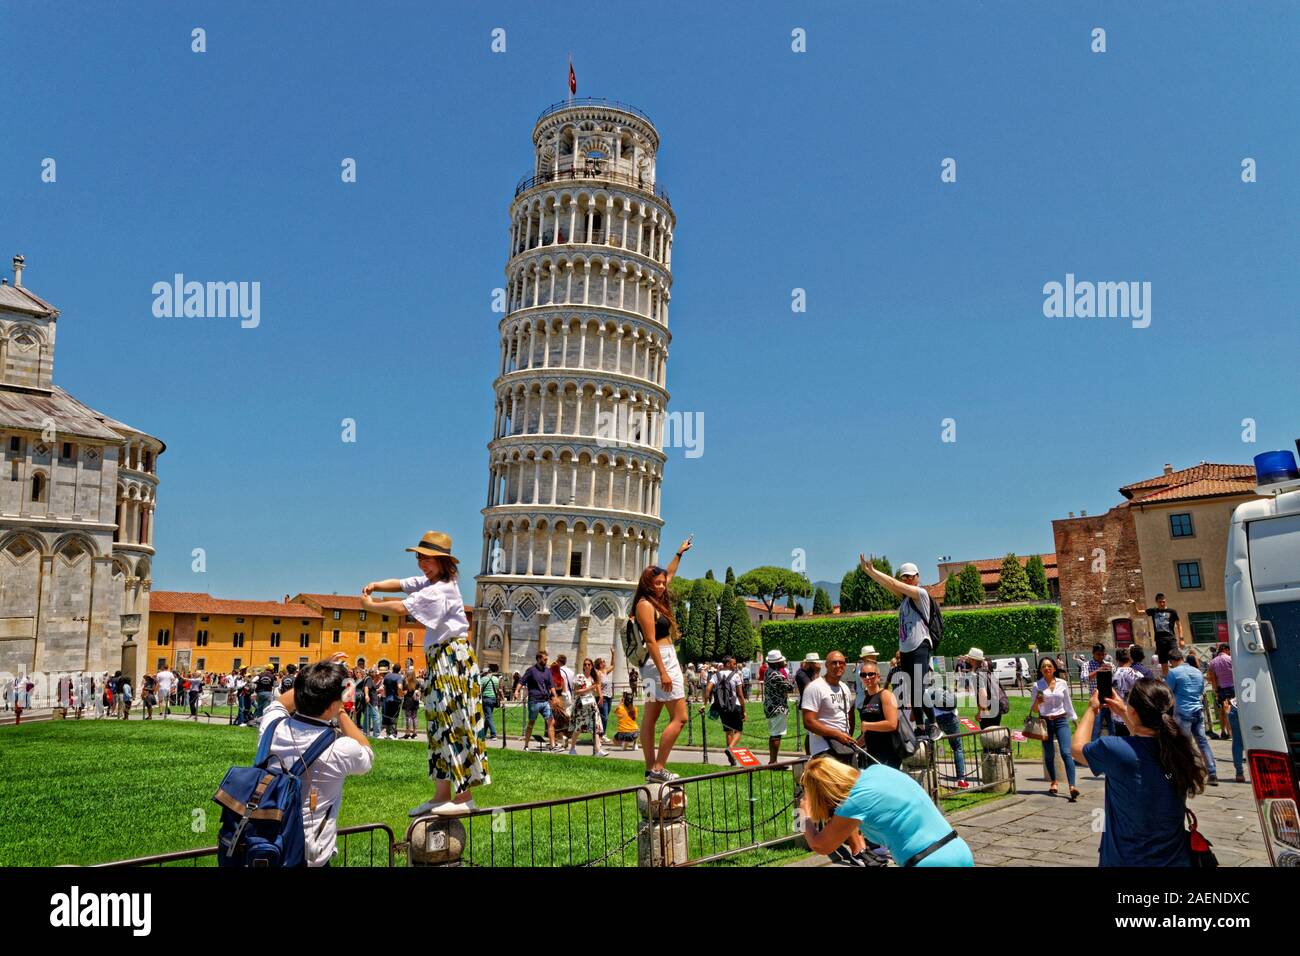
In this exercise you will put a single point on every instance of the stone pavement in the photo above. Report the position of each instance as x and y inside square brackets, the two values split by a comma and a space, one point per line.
[1033, 828]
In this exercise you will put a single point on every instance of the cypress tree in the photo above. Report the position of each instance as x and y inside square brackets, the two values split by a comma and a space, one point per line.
[1014, 585]
[1037, 575]
[970, 586]
[822, 602]
[952, 590]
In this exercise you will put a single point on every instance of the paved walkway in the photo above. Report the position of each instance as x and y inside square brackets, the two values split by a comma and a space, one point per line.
[1033, 828]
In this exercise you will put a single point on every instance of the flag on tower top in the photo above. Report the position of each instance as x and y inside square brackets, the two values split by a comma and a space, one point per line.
[573, 78]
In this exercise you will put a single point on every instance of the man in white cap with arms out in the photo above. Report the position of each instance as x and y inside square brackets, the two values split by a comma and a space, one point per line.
[776, 702]
[915, 644]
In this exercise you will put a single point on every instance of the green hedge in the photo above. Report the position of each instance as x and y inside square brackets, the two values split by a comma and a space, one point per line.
[996, 631]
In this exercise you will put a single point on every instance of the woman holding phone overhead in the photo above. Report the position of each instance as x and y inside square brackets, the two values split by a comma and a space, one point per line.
[661, 673]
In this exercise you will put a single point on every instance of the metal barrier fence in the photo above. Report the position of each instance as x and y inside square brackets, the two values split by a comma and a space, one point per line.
[723, 814]
[981, 759]
[355, 845]
[594, 829]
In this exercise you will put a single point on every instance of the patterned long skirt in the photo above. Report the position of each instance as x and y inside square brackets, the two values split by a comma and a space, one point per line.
[454, 707]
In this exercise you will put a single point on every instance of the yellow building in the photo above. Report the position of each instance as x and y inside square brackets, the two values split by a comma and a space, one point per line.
[367, 637]
[1181, 519]
[194, 631]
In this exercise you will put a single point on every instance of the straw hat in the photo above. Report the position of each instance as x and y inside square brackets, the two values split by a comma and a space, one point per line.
[774, 657]
[975, 654]
[868, 651]
[812, 658]
[434, 544]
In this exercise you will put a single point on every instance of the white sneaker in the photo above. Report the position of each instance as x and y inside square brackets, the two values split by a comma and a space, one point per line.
[602, 753]
[423, 808]
[451, 808]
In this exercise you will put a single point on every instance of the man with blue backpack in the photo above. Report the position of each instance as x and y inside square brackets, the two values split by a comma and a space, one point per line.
[283, 811]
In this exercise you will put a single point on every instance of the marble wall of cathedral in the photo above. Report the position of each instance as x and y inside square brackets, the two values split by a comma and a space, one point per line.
[577, 622]
[76, 536]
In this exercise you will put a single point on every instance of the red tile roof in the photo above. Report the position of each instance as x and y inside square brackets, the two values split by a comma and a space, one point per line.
[760, 606]
[342, 602]
[1203, 488]
[1199, 481]
[195, 602]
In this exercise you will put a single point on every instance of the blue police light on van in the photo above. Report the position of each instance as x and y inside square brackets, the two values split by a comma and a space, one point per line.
[1272, 467]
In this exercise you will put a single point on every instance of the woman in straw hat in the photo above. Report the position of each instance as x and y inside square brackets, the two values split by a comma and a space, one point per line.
[452, 702]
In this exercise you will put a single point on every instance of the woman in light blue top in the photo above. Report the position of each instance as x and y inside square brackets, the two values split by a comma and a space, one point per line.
[887, 805]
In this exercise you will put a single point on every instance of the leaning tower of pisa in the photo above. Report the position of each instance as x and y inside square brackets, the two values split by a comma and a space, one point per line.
[575, 465]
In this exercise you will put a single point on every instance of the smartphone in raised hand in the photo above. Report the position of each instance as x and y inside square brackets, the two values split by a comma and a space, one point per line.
[1105, 685]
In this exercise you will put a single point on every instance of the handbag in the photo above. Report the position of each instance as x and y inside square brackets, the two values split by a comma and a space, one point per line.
[1035, 727]
[634, 649]
[1198, 846]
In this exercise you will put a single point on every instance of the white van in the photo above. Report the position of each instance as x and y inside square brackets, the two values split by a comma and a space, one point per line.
[1004, 669]
[1262, 583]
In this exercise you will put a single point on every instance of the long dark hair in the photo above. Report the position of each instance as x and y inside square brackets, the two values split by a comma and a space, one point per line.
[1153, 704]
[645, 590]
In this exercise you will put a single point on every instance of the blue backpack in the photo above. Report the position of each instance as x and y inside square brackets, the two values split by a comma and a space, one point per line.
[261, 815]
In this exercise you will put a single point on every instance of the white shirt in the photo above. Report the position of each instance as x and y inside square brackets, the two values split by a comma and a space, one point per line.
[165, 680]
[912, 629]
[344, 758]
[831, 706]
[438, 606]
[1055, 701]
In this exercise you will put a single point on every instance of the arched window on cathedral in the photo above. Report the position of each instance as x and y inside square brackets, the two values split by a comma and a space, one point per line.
[38, 487]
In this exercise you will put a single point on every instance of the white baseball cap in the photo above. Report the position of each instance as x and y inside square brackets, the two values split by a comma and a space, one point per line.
[907, 567]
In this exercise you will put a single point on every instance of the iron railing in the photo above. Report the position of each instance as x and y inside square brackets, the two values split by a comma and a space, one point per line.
[593, 172]
[979, 758]
[730, 812]
[356, 844]
[592, 101]
[594, 829]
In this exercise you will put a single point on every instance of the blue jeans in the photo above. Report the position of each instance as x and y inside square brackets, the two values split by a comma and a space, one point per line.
[947, 722]
[1106, 719]
[363, 717]
[1194, 724]
[1237, 744]
[489, 728]
[373, 714]
[605, 703]
[1058, 731]
[263, 701]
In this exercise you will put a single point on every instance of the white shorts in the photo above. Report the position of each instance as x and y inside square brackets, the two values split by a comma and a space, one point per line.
[777, 726]
[650, 675]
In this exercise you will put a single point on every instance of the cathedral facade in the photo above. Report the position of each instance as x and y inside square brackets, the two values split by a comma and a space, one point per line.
[77, 496]
[576, 457]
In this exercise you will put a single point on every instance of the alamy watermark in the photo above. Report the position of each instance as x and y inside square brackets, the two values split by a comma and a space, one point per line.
[630, 428]
[1098, 300]
[208, 300]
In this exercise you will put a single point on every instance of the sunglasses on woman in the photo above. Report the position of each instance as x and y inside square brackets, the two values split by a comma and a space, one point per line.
[870, 675]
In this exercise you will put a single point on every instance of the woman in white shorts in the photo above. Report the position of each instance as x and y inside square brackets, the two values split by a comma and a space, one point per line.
[661, 673]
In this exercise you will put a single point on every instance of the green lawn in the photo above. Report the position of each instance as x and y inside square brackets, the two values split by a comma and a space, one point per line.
[109, 790]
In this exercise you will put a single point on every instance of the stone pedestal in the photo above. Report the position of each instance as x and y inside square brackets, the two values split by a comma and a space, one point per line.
[662, 838]
[998, 769]
[435, 841]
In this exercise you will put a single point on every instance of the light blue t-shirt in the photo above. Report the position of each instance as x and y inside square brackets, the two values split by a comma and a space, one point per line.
[893, 810]
[1188, 686]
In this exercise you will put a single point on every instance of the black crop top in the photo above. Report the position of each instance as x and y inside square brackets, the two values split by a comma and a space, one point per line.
[663, 629]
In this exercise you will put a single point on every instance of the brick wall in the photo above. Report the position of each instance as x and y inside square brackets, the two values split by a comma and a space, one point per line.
[1099, 572]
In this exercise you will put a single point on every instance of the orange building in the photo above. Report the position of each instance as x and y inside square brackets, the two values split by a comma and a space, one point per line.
[190, 630]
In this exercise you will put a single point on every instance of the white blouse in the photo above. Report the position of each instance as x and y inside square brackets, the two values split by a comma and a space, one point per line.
[438, 606]
[1054, 701]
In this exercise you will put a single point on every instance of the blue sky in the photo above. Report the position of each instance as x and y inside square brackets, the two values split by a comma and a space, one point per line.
[818, 170]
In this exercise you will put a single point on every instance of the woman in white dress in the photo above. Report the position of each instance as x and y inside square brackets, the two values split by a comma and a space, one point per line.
[452, 697]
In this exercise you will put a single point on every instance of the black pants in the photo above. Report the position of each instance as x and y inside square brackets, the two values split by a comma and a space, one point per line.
[391, 705]
[916, 665]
